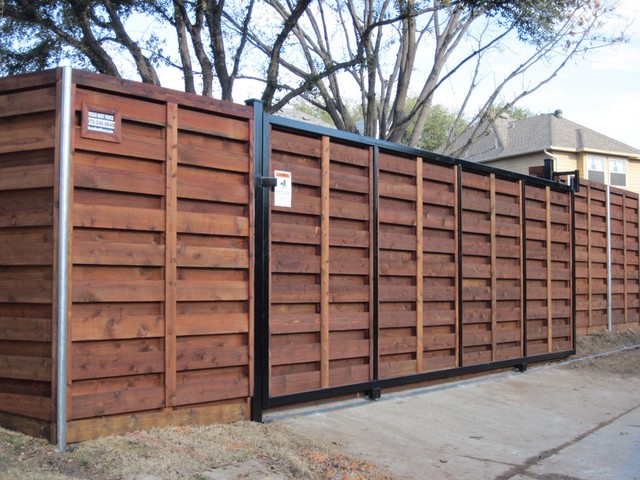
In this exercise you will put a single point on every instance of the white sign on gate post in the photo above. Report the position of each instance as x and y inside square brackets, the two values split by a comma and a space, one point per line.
[282, 192]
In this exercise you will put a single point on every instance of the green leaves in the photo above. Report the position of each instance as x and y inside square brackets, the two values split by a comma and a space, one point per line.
[534, 20]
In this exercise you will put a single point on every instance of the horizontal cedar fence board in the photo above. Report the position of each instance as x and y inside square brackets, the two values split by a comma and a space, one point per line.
[26, 177]
[27, 133]
[26, 208]
[125, 398]
[210, 223]
[128, 177]
[29, 284]
[99, 426]
[209, 318]
[26, 246]
[145, 143]
[25, 367]
[98, 321]
[31, 406]
[195, 149]
[21, 102]
[203, 386]
[24, 328]
[220, 126]
[116, 358]
[29, 81]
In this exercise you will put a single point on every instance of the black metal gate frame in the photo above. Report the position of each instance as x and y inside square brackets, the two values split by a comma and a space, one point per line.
[261, 399]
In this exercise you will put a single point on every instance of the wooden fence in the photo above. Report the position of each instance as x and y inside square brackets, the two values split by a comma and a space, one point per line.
[28, 121]
[607, 253]
[160, 253]
[192, 298]
[394, 266]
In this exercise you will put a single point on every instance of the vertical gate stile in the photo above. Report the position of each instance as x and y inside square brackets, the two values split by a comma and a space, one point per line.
[609, 276]
[523, 269]
[419, 268]
[372, 292]
[324, 263]
[458, 254]
[624, 256]
[171, 211]
[376, 267]
[549, 272]
[573, 271]
[494, 290]
[589, 262]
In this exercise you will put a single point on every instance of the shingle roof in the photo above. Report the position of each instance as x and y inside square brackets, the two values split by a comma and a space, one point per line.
[508, 137]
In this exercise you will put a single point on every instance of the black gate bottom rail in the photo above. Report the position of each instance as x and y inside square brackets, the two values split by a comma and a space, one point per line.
[374, 388]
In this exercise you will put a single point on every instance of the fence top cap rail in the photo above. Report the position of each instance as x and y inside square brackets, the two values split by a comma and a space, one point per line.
[129, 88]
[160, 94]
[27, 81]
[466, 165]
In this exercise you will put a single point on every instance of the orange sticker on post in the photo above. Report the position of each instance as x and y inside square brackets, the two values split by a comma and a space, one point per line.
[283, 189]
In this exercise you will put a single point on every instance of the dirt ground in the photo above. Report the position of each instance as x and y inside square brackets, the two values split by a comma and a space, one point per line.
[626, 362]
[244, 450]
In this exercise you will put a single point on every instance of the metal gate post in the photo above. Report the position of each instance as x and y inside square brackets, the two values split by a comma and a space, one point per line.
[261, 261]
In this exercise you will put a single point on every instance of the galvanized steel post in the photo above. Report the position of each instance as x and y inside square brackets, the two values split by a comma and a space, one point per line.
[63, 254]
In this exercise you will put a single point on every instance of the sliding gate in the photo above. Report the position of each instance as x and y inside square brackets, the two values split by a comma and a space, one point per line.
[379, 265]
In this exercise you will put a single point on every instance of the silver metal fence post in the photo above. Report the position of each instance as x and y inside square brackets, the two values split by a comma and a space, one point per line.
[63, 255]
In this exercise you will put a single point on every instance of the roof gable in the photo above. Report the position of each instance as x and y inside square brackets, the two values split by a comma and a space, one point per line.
[507, 137]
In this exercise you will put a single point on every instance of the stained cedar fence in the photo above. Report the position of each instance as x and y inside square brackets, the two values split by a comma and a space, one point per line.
[160, 303]
[607, 254]
[184, 295]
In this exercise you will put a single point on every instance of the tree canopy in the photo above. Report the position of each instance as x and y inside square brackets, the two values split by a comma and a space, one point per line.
[388, 58]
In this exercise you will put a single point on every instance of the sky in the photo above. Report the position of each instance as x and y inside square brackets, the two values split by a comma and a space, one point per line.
[601, 91]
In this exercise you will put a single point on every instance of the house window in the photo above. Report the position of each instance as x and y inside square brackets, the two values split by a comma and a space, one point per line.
[618, 172]
[595, 168]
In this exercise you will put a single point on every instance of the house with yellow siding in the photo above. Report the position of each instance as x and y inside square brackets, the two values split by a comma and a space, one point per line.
[522, 145]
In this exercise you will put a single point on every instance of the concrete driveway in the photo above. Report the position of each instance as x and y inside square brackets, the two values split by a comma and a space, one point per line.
[546, 423]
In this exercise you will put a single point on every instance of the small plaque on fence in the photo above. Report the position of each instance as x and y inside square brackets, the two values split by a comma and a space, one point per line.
[101, 123]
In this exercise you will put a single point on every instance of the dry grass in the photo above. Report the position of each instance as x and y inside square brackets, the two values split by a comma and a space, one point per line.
[224, 452]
